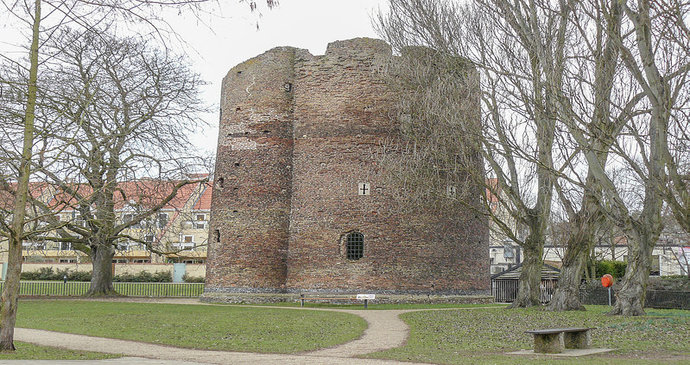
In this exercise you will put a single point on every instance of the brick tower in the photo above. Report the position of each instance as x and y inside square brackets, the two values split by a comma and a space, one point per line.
[303, 203]
[251, 203]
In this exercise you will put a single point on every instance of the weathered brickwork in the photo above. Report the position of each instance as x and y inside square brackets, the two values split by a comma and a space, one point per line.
[305, 131]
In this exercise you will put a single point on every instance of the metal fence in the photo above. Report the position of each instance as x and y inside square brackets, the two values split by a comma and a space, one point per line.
[69, 289]
[505, 290]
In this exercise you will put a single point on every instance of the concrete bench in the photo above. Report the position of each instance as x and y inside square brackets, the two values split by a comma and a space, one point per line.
[555, 340]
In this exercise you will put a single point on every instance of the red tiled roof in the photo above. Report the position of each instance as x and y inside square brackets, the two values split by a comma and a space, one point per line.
[492, 184]
[146, 193]
[204, 201]
[36, 189]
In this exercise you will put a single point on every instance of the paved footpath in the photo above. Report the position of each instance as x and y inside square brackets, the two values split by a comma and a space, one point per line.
[385, 330]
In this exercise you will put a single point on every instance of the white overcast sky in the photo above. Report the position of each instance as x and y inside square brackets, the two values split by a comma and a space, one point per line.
[233, 38]
[216, 43]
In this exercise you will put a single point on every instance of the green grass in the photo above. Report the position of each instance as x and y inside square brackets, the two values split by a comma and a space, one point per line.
[482, 336]
[27, 351]
[230, 328]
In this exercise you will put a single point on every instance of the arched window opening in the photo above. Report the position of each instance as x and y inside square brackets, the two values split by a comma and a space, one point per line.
[354, 246]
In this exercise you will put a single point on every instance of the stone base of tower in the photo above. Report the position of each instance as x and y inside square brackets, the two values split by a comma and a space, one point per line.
[252, 296]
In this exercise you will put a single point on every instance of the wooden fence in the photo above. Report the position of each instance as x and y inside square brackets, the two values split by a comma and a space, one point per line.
[70, 289]
[505, 290]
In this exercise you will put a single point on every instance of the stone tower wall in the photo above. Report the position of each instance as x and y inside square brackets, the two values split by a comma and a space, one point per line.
[343, 110]
[297, 197]
[251, 202]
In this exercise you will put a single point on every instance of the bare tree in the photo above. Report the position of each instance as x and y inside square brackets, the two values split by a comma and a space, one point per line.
[659, 60]
[44, 17]
[518, 51]
[657, 65]
[591, 78]
[127, 110]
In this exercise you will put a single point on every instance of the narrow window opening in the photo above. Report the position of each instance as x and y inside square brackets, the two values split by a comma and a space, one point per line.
[216, 234]
[237, 164]
[288, 86]
[354, 246]
[234, 211]
[220, 182]
[239, 72]
[266, 131]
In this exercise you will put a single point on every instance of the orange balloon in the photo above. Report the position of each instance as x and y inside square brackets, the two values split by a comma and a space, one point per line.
[607, 280]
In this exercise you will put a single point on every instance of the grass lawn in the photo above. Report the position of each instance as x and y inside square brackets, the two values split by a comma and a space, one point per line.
[27, 351]
[482, 336]
[230, 328]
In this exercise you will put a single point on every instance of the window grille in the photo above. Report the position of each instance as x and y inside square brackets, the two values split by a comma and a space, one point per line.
[355, 246]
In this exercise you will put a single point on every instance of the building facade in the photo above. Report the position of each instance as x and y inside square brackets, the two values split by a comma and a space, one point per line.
[178, 232]
[301, 201]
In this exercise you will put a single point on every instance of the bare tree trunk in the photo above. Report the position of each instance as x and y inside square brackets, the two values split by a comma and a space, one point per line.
[102, 275]
[578, 248]
[10, 293]
[530, 277]
[567, 295]
[631, 296]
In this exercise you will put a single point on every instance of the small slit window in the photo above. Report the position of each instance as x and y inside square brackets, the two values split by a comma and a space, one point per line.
[354, 246]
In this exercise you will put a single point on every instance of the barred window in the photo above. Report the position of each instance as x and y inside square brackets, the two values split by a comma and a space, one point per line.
[355, 246]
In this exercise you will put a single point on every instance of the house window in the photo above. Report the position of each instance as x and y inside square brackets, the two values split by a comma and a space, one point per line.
[162, 220]
[354, 246]
[78, 221]
[65, 246]
[188, 239]
[508, 252]
[364, 189]
[655, 269]
[148, 238]
[126, 218]
[200, 221]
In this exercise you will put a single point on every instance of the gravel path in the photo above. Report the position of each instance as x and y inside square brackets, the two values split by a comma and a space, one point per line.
[175, 355]
[385, 330]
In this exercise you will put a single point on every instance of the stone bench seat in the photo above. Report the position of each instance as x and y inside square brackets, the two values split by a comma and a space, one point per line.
[556, 340]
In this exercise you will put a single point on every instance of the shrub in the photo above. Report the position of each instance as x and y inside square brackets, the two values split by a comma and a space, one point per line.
[47, 274]
[615, 268]
[193, 279]
[144, 277]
